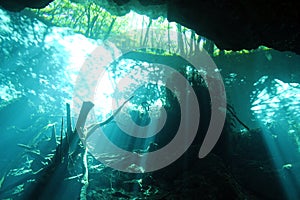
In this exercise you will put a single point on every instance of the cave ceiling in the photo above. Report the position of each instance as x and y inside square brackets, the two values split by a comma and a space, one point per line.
[231, 24]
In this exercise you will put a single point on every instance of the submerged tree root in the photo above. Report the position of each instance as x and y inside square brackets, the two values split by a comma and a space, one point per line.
[66, 171]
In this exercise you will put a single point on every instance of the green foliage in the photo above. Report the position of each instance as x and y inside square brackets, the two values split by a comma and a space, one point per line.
[129, 31]
[88, 19]
[218, 52]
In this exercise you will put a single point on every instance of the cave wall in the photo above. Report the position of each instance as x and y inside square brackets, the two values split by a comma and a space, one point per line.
[18, 5]
[242, 24]
[231, 24]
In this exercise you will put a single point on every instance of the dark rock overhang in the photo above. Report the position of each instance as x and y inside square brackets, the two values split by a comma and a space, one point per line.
[231, 24]
[18, 5]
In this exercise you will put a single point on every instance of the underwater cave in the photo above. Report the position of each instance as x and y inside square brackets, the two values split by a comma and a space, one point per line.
[158, 99]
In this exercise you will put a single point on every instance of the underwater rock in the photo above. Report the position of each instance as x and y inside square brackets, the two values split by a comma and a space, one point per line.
[18, 5]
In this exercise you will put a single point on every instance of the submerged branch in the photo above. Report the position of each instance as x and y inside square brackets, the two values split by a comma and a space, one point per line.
[92, 128]
[234, 115]
[85, 109]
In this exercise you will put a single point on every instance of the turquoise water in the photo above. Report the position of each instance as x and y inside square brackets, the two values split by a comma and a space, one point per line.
[42, 156]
